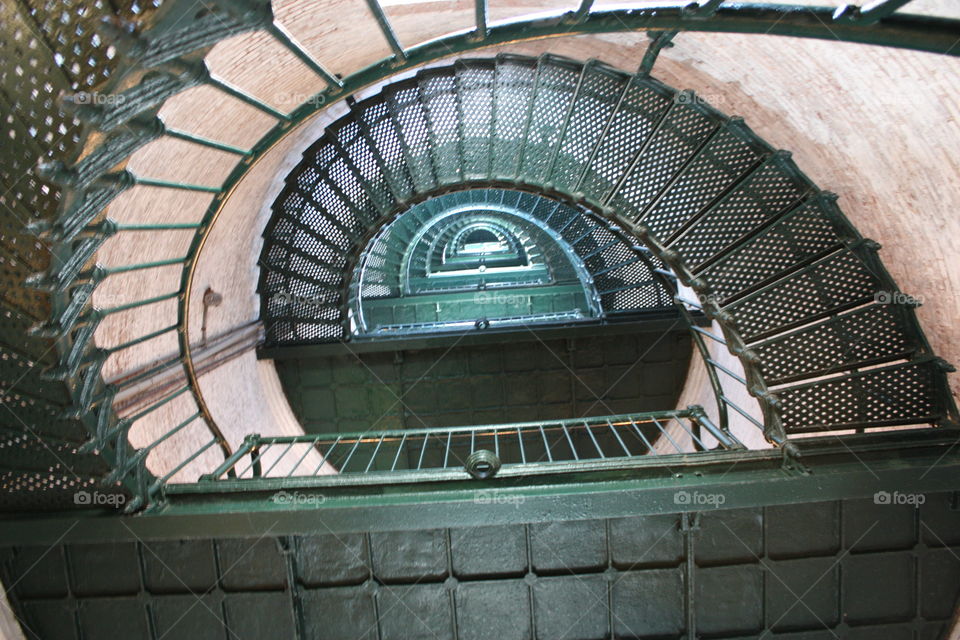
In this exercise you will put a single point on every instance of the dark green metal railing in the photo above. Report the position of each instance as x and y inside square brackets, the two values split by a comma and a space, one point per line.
[401, 259]
[510, 450]
[172, 42]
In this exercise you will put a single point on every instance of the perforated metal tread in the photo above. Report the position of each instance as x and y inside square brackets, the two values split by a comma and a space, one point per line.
[807, 231]
[304, 275]
[867, 336]
[48, 48]
[837, 282]
[739, 218]
[334, 201]
[900, 394]
[775, 252]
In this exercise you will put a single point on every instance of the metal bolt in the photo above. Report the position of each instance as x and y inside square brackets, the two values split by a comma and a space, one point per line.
[482, 464]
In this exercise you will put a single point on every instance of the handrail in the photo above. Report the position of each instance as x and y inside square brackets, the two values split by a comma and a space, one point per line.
[577, 444]
[879, 24]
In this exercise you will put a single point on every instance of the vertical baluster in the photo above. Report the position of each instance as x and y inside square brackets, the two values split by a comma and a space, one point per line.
[309, 448]
[403, 440]
[643, 437]
[546, 444]
[155, 487]
[229, 464]
[446, 452]
[573, 449]
[373, 456]
[623, 445]
[583, 10]
[326, 456]
[423, 450]
[285, 451]
[693, 436]
[480, 10]
[255, 454]
[523, 454]
[296, 49]
[664, 432]
[388, 33]
[595, 443]
[343, 467]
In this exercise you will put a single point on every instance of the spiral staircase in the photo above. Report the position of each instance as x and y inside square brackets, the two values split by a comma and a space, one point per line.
[774, 261]
[656, 209]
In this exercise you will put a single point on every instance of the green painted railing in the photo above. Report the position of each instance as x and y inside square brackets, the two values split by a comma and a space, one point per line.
[480, 451]
[174, 40]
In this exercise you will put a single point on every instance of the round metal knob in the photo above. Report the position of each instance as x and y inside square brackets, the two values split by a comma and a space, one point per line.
[482, 464]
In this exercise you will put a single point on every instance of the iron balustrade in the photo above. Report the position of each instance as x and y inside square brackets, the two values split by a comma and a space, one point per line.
[176, 33]
[518, 449]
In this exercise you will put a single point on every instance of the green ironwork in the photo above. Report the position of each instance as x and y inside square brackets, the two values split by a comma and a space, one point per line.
[150, 182]
[175, 39]
[644, 194]
[409, 257]
[715, 572]
[141, 339]
[206, 142]
[304, 57]
[869, 14]
[138, 303]
[481, 18]
[858, 468]
[434, 454]
[654, 323]
[168, 226]
[248, 99]
[385, 27]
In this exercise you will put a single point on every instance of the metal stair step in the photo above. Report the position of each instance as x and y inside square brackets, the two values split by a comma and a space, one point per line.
[864, 337]
[809, 230]
[555, 92]
[900, 394]
[364, 170]
[384, 141]
[838, 282]
[727, 156]
[475, 84]
[410, 117]
[513, 98]
[678, 139]
[438, 91]
[642, 108]
[601, 92]
[773, 188]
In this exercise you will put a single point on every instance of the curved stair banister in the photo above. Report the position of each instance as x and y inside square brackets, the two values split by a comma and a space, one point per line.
[737, 221]
[618, 277]
[173, 43]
